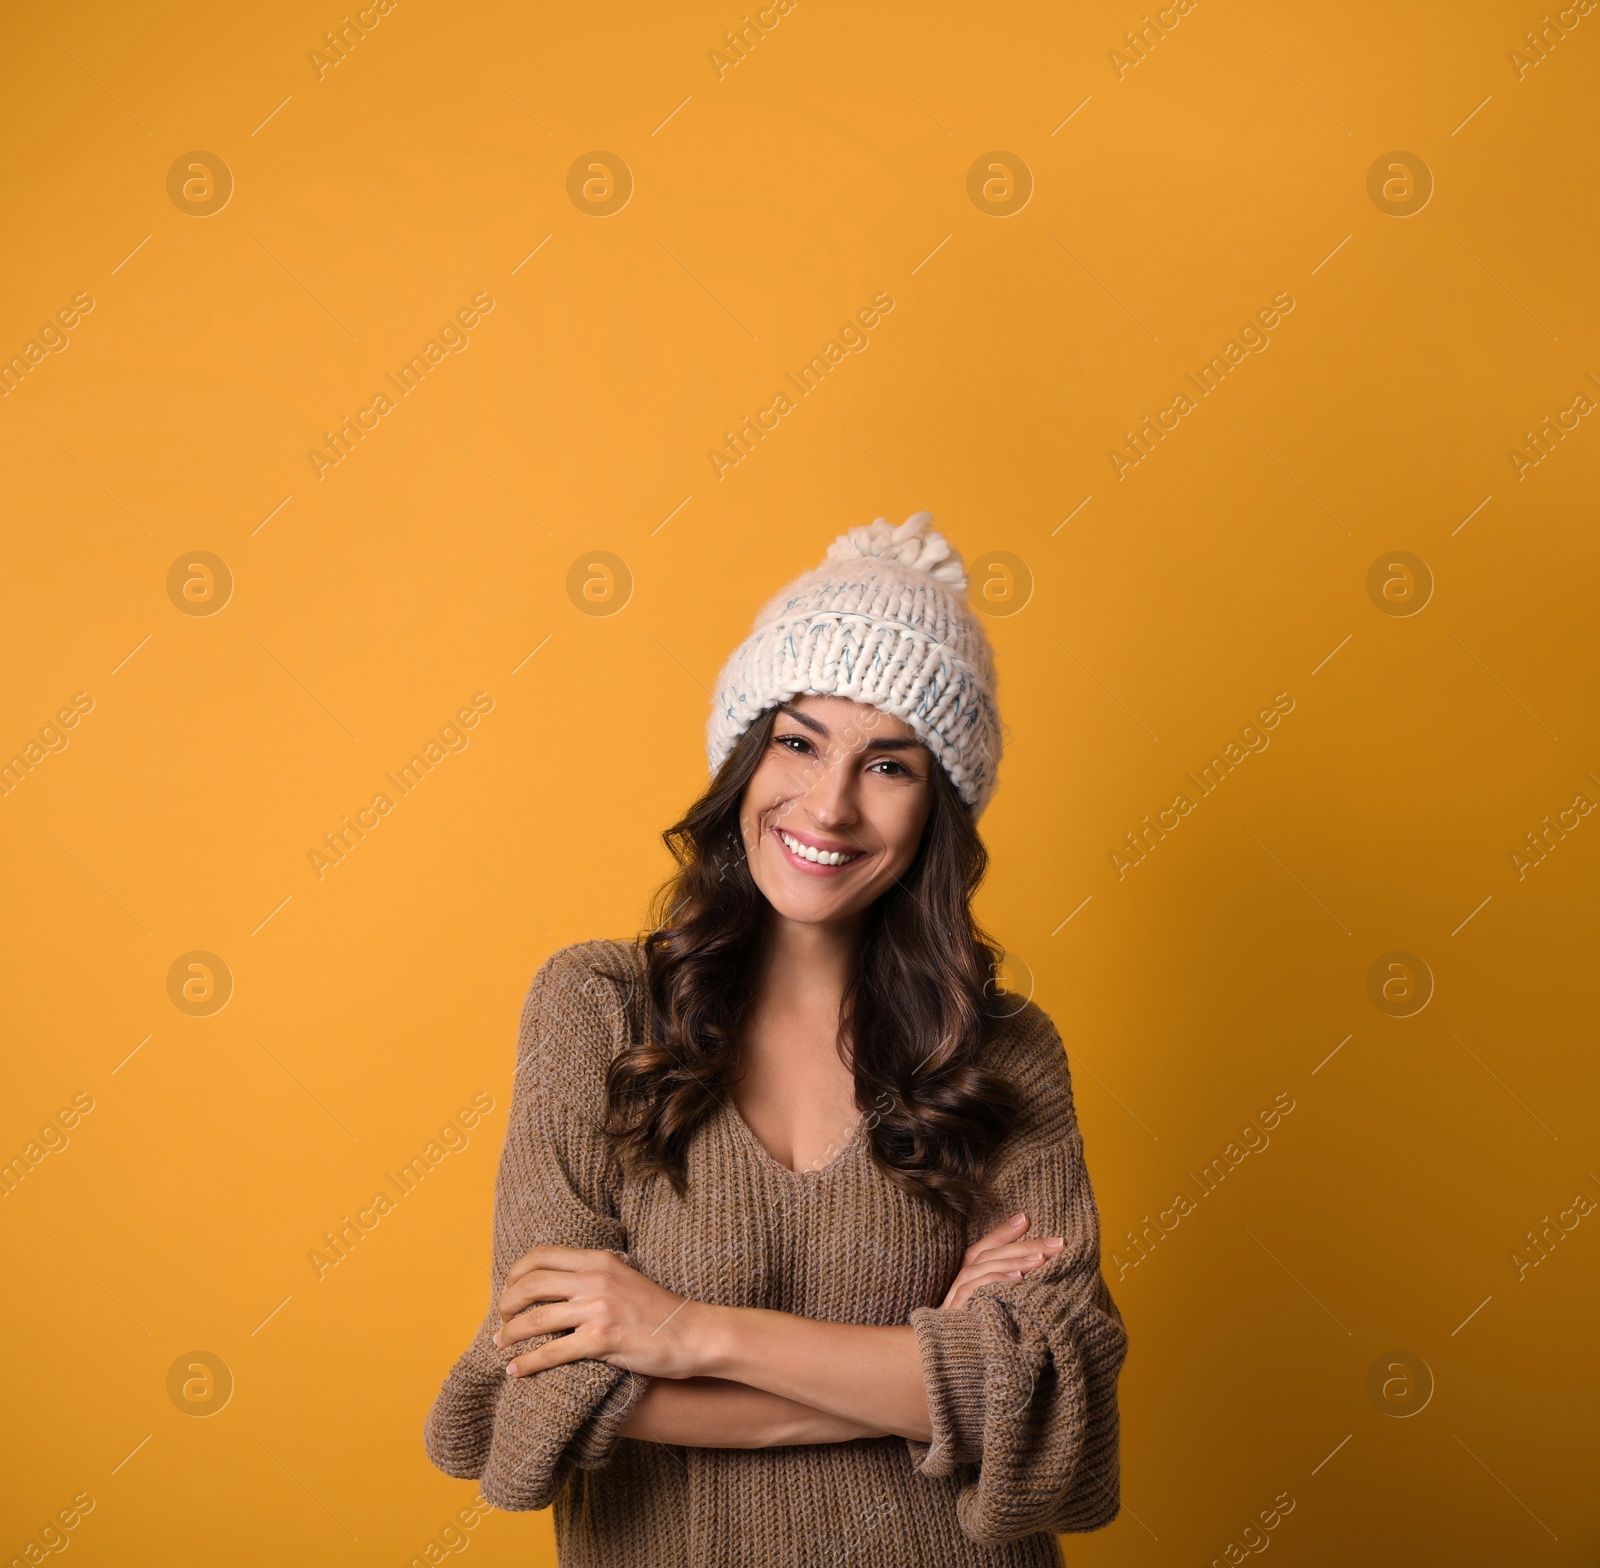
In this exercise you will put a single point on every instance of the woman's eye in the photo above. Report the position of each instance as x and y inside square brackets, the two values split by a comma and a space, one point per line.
[798, 740]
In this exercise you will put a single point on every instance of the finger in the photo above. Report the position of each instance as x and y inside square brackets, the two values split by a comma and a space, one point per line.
[1020, 1249]
[982, 1271]
[1007, 1230]
[540, 1285]
[1012, 1270]
[961, 1295]
[553, 1353]
[578, 1259]
[973, 1271]
[541, 1320]
[968, 1279]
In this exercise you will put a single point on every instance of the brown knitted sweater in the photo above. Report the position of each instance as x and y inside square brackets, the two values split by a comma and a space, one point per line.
[1021, 1382]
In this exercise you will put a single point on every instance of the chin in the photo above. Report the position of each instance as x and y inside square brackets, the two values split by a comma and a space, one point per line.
[815, 903]
[813, 911]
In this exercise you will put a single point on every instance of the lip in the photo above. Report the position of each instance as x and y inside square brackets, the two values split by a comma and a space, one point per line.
[809, 867]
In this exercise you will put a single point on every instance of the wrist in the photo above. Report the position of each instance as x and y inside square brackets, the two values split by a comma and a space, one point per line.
[805, 1426]
[717, 1340]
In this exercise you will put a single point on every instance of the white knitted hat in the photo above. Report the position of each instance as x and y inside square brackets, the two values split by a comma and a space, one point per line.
[883, 620]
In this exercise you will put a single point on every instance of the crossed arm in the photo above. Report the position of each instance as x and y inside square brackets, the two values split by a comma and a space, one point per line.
[737, 1377]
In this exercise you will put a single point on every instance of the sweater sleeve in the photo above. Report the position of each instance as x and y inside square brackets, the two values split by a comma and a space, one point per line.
[1022, 1381]
[523, 1436]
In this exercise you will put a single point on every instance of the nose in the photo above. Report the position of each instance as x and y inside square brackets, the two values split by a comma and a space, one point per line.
[831, 797]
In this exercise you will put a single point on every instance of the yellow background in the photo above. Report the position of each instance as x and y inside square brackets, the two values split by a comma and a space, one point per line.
[1152, 616]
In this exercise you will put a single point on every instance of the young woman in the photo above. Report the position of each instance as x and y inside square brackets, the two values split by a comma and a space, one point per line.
[796, 1258]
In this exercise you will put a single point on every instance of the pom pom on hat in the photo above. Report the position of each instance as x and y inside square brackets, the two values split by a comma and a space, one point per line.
[914, 544]
[883, 620]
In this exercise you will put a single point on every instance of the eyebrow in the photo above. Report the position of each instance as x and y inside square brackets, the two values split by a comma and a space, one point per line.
[817, 727]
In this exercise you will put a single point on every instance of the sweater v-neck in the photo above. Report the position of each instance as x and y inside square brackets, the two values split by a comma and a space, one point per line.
[768, 1157]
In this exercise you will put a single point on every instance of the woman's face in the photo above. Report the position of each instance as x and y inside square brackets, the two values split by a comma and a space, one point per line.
[847, 783]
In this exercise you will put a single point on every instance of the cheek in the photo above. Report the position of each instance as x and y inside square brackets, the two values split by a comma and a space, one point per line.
[750, 830]
[900, 826]
[766, 802]
[773, 778]
[777, 790]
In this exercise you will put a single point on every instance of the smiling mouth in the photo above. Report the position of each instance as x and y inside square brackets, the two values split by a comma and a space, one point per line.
[814, 859]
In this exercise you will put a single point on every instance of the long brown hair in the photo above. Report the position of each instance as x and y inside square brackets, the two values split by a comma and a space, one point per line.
[913, 1020]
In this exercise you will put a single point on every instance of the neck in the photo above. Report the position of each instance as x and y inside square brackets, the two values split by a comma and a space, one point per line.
[805, 965]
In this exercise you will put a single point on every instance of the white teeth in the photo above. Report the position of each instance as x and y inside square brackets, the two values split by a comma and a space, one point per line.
[820, 857]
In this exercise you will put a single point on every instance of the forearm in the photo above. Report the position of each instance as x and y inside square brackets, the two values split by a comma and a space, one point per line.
[709, 1412]
[864, 1374]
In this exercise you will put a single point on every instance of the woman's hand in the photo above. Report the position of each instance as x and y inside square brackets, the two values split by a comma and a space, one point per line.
[614, 1314]
[999, 1255]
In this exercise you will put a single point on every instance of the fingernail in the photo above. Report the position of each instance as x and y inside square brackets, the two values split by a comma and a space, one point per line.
[1017, 1219]
[497, 1339]
[1054, 1244]
[511, 1369]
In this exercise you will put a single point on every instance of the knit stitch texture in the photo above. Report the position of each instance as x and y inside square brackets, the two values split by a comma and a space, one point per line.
[884, 620]
[1022, 1381]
